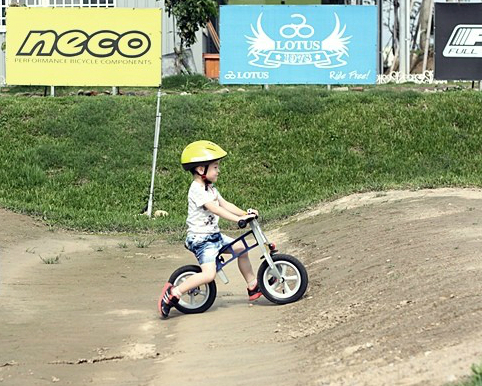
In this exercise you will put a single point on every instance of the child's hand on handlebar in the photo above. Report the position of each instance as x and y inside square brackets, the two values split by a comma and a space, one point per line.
[247, 217]
[244, 220]
[252, 211]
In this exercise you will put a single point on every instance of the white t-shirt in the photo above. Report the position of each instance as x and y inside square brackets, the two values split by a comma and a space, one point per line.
[199, 219]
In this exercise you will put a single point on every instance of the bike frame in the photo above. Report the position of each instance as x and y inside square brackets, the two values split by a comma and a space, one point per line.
[260, 241]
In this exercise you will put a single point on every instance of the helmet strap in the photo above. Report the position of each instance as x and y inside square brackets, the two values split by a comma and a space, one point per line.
[204, 178]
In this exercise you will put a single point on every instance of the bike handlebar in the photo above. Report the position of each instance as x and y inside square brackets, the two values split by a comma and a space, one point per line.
[242, 223]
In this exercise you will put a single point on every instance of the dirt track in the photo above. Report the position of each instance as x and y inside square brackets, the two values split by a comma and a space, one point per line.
[394, 299]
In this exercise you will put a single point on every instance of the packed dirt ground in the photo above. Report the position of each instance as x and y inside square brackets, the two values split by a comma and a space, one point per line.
[395, 298]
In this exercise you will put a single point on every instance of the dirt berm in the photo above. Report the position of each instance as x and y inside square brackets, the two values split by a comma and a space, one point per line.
[395, 298]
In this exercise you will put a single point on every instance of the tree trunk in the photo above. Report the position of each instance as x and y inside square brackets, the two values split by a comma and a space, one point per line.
[423, 23]
[182, 63]
[396, 22]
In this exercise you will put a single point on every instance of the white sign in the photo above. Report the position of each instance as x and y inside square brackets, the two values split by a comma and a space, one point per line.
[465, 42]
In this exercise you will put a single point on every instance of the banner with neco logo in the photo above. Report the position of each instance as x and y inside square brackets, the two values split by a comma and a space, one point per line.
[284, 44]
[83, 46]
[458, 41]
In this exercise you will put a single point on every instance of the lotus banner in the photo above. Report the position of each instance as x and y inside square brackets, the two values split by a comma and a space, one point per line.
[315, 44]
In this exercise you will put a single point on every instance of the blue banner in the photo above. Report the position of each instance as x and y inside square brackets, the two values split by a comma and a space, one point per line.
[284, 44]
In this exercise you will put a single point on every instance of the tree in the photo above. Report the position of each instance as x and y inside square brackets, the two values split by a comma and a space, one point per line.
[419, 12]
[190, 15]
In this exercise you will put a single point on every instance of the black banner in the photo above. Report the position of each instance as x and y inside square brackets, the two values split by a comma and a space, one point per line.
[458, 41]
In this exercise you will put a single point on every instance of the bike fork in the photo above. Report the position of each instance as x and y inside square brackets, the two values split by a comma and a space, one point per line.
[263, 244]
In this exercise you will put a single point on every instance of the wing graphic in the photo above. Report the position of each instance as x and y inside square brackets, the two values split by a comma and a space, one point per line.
[336, 42]
[260, 41]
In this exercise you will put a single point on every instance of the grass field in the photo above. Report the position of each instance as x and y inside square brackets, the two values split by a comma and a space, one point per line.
[85, 163]
[474, 380]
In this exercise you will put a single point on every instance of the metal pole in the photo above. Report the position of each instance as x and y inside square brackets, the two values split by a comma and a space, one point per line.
[52, 91]
[480, 85]
[427, 40]
[401, 35]
[380, 29]
[404, 53]
[408, 39]
[154, 155]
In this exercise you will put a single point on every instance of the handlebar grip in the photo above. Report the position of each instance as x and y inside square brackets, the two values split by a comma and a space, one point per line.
[242, 223]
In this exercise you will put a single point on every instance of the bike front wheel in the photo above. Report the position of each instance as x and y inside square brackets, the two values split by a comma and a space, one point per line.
[293, 283]
[196, 300]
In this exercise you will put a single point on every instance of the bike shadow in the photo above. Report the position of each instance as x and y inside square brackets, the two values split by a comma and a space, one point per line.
[225, 302]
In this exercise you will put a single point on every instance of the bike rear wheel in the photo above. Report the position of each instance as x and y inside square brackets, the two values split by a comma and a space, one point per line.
[293, 283]
[196, 300]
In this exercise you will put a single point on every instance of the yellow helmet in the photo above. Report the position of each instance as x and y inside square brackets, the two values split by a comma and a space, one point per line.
[201, 153]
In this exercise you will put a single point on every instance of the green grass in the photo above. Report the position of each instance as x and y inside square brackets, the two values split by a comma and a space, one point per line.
[474, 380]
[176, 83]
[188, 83]
[85, 163]
[50, 260]
[144, 242]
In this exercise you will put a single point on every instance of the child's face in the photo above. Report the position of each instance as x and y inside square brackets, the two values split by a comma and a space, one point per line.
[213, 171]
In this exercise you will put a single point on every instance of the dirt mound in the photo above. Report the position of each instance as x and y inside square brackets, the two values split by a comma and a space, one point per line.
[394, 299]
[395, 287]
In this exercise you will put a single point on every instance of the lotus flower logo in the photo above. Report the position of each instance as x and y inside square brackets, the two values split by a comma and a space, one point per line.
[296, 48]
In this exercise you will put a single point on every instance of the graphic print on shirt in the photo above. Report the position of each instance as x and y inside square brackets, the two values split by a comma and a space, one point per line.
[209, 220]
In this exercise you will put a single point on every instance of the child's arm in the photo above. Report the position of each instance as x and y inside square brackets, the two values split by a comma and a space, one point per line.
[231, 207]
[225, 213]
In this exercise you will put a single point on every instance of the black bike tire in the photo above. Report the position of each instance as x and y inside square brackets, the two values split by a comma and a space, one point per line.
[303, 277]
[211, 286]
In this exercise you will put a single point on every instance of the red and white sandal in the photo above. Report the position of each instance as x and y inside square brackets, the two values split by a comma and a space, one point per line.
[167, 300]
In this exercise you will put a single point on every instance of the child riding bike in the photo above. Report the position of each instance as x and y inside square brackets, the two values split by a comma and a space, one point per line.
[204, 238]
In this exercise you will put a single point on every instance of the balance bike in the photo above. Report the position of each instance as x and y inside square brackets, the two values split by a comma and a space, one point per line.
[282, 278]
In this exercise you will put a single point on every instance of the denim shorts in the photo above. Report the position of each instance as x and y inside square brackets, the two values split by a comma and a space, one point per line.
[206, 247]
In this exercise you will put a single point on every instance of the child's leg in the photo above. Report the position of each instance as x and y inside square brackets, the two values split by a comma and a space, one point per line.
[206, 276]
[244, 266]
[246, 269]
